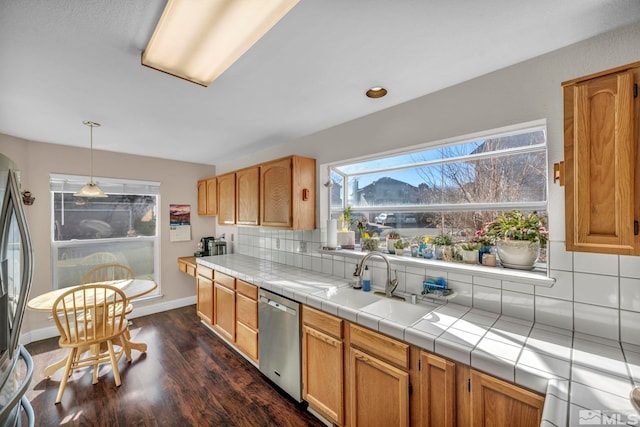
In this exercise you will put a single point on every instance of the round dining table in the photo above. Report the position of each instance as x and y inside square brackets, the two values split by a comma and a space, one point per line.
[133, 288]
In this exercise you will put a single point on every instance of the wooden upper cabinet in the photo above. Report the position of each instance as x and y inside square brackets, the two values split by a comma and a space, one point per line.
[208, 196]
[288, 193]
[248, 196]
[227, 199]
[601, 163]
[212, 196]
[202, 197]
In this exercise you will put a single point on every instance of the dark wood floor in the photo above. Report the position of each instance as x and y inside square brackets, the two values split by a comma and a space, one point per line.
[188, 377]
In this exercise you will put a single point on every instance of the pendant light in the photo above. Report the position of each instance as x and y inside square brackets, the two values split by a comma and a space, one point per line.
[91, 189]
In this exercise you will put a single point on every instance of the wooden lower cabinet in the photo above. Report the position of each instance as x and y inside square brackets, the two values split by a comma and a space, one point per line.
[224, 303]
[379, 392]
[204, 304]
[498, 403]
[323, 364]
[247, 319]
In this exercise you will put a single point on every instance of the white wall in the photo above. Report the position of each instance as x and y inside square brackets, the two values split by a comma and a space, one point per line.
[597, 294]
[178, 185]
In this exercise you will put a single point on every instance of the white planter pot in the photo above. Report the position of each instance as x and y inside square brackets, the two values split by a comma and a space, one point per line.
[469, 257]
[519, 254]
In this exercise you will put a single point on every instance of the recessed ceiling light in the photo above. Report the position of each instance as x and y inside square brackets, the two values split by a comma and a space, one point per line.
[376, 92]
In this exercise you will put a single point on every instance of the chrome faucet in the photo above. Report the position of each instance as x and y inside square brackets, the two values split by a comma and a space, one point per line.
[391, 285]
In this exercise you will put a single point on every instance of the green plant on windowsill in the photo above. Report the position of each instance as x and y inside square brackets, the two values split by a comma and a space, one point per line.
[345, 219]
[400, 244]
[442, 240]
[470, 246]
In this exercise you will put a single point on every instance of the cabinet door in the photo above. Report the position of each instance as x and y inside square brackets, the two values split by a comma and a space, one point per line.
[599, 164]
[212, 196]
[437, 391]
[202, 197]
[498, 403]
[379, 392]
[227, 199]
[248, 196]
[322, 374]
[224, 311]
[275, 193]
[205, 299]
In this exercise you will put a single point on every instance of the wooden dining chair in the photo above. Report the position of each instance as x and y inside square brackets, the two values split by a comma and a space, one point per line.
[107, 273]
[88, 321]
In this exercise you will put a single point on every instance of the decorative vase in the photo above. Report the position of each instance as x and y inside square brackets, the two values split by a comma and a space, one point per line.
[399, 251]
[518, 254]
[369, 243]
[391, 245]
[347, 239]
[483, 250]
[443, 252]
[469, 257]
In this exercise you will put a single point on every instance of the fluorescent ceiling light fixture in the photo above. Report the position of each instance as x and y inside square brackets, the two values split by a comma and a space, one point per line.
[198, 40]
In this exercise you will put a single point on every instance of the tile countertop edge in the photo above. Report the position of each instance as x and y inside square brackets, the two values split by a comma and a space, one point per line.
[556, 388]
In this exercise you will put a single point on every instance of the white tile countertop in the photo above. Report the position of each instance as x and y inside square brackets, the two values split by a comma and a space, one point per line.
[585, 378]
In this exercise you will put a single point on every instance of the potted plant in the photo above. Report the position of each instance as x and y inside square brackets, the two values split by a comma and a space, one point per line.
[519, 238]
[469, 252]
[392, 237]
[485, 241]
[442, 244]
[368, 242]
[399, 246]
[346, 237]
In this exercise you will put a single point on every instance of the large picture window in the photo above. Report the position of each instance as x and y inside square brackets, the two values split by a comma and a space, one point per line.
[118, 229]
[452, 187]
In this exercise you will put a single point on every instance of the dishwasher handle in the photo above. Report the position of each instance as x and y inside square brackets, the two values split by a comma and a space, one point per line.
[277, 305]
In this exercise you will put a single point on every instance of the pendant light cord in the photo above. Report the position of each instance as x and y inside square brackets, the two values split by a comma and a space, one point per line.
[91, 126]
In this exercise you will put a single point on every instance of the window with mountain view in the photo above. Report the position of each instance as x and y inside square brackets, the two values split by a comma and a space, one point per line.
[453, 187]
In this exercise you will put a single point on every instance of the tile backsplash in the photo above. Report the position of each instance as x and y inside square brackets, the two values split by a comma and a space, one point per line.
[593, 293]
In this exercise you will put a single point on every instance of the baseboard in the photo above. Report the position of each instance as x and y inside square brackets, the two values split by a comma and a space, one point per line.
[52, 331]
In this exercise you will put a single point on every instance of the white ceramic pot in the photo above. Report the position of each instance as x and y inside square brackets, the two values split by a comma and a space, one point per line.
[519, 254]
[469, 257]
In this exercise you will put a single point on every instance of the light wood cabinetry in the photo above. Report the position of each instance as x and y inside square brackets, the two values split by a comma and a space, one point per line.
[323, 364]
[247, 318]
[224, 303]
[601, 161]
[288, 193]
[208, 196]
[445, 394]
[378, 379]
[498, 403]
[187, 265]
[248, 196]
[227, 199]
[205, 298]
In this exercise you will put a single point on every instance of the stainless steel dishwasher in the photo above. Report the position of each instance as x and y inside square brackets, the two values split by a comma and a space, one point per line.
[279, 342]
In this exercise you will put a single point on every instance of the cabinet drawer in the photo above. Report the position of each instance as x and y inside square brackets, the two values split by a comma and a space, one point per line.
[247, 311]
[247, 289]
[247, 340]
[378, 345]
[205, 271]
[224, 280]
[324, 322]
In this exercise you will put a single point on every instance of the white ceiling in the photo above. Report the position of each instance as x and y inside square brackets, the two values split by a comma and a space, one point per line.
[65, 61]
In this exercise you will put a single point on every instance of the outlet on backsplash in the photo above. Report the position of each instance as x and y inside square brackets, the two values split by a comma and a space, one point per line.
[302, 247]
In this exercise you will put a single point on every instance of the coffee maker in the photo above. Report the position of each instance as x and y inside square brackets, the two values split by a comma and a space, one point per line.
[209, 246]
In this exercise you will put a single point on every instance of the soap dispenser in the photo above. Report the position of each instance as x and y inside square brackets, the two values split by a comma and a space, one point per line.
[366, 279]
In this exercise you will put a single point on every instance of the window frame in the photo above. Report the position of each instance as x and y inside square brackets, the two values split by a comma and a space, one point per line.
[70, 184]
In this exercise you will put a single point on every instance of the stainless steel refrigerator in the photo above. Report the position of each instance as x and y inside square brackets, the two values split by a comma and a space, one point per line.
[16, 269]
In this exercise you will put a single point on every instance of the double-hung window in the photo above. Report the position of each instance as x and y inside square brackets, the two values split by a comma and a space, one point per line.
[451, 187]
[118, 229]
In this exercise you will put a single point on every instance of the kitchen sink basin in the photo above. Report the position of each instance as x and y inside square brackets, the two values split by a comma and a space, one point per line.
[352, 298]
[399, 311]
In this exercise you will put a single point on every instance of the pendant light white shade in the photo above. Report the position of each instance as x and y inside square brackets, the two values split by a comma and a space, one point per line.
[91, 189]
